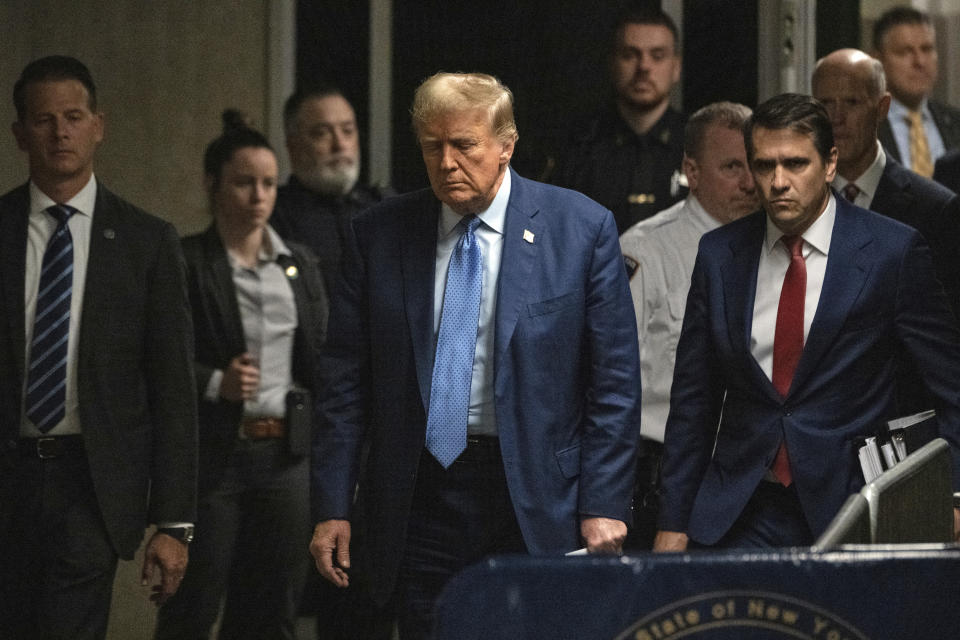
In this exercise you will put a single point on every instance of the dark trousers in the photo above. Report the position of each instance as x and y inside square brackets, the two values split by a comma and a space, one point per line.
[459, 516]
[646, 497]
[773, 518]
[57, 564]
[251, 545]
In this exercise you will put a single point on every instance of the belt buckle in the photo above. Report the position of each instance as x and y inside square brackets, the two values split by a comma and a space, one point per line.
[49, 448]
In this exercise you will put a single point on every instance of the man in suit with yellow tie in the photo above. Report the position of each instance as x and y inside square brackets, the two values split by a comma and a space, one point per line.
[917, 130]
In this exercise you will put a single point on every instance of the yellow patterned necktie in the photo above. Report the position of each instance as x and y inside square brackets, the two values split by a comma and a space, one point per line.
[920, 160]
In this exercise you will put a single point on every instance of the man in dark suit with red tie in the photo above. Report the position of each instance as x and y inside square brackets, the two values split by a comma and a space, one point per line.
[98, 434]
[482, 342]
[797, 320]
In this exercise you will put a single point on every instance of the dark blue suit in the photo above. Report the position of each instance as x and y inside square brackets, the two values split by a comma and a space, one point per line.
[947, 170]
[879, 298]
[566, 379]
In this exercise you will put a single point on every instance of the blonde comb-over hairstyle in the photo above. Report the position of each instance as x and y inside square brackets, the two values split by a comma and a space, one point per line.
[444, 93]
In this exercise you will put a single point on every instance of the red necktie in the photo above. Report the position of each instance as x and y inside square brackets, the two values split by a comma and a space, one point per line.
[788, 338]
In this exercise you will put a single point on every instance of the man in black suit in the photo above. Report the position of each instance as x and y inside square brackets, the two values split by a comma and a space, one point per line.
[99, 433]
[947, 171]
[851, 86]
[904, 42]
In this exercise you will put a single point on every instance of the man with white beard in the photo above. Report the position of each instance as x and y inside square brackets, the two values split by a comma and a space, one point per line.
[315, 206]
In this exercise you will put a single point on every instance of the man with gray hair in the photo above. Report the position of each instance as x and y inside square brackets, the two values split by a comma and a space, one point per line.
[659, 253]
[851, 85]
[482, 344]
[323, 193]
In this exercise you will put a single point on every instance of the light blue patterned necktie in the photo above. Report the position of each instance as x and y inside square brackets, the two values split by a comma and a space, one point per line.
[456, 345]
[47, 374]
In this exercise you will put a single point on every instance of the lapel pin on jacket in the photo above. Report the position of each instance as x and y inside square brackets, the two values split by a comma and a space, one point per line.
[109, 234]
[528, 235]
[291, 271]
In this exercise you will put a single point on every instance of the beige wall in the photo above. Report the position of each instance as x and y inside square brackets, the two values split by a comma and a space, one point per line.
[164, 72]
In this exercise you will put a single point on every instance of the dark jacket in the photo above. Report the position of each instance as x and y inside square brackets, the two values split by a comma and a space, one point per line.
[320, 222]
[633, 176]
[946, 118]
[220, 338]
[136, 401]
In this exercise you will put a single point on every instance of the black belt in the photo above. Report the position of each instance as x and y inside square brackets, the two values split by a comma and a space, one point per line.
[49, 447]
[481, 449]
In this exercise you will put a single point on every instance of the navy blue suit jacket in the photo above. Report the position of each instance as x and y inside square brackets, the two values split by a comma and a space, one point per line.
[879, 302]
[931, 209]
[947, 170]
[566, 378]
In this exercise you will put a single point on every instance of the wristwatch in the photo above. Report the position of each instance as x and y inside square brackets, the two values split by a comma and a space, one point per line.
[183, 534]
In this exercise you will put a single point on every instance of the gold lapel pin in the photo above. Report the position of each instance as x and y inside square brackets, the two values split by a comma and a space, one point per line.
[291, 271]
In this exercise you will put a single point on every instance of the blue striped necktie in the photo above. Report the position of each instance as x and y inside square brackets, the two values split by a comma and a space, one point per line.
[456, 345]
[47, 375]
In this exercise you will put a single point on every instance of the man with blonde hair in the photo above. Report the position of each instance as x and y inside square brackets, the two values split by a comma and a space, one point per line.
[482, 345]
[659, 253]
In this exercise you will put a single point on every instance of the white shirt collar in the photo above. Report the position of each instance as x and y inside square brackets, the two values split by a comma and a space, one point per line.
[699, 216]
[870, 180]
[493, 216]
[817, 235]
[84, 202]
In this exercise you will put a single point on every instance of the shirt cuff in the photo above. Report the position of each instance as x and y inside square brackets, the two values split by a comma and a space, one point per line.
[213, 386]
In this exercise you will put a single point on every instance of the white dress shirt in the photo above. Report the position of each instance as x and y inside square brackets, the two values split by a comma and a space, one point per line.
[866, 183]
[664, 248]
[774, 260]
[41, 226]
[482, 418]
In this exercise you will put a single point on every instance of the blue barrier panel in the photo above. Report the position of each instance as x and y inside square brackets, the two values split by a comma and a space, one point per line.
[843, 595]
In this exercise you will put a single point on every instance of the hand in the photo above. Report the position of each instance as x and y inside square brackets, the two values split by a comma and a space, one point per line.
[956, 524]
[332, 537]
[170, 556]
[241, 379]
[670, 541]
[603, 535]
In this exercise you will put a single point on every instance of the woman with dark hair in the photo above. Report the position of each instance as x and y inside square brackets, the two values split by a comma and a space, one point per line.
[259, 312]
